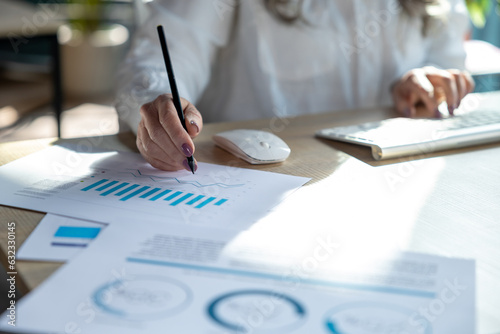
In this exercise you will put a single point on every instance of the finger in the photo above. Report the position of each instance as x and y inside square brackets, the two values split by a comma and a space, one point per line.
[167, 154]
[157, 163]
[460, 83]
[194, 120]
[424, 90]
[152, 129]
[170, 122]
[445, 81]
[140, 133]
[405, 103]
[469, 81]
[164, 165]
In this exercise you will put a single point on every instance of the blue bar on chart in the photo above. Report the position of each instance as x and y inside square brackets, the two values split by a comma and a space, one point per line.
[149, 193]
[205, 202]
[77, 232]
[112, 190]
[220, 202]
[177, 193]
[126, 190]
[160, 195]
[180, 200]
[137, 192]
[194, 200]
[106, 185]
[95, 184]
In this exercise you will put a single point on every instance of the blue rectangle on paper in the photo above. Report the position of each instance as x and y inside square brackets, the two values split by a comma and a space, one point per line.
[177, 193]
[112, 190]
[222, 201]
[77, 232]
[137, 192]
[149, 193]
[160, 195]
[180, 200]
[107, 185]
[194, 200]
[205, 202]
[95, 184]
[126, 190]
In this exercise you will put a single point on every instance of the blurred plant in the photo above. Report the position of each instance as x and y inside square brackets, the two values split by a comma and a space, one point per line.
[479, 10]
[86, 15]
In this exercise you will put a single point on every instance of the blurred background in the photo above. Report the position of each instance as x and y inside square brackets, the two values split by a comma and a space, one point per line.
[58, 59]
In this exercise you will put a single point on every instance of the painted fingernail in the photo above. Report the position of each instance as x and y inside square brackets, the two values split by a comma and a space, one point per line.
[451, 109]
[186, 149]
[186, 165]
[406, 112]
[196, 125]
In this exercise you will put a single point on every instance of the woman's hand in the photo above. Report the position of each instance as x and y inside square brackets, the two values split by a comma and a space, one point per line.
[430, 86]
[161, 139]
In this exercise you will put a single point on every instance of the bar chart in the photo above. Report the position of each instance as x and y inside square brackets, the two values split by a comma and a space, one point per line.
[116, 186]
[124, 191]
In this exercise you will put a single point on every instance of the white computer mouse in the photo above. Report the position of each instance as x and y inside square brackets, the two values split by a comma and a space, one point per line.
[253, 146]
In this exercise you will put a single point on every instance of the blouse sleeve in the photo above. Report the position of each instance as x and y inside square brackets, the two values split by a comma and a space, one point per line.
[195, 30]
[446, 48]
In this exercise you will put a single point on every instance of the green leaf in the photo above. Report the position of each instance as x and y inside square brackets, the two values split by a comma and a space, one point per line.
[478, 10]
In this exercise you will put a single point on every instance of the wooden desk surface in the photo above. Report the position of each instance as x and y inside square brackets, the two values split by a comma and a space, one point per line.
[445, 203]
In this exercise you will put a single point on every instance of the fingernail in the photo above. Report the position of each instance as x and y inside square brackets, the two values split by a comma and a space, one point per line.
[186, 149]
[406, 112]
[186, 165]
[196, 125]
[451, 109]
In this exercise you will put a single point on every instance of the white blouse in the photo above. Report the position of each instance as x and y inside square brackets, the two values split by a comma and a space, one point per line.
[235, 61]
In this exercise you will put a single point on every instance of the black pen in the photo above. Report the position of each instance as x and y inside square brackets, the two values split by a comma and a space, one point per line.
[173, 86]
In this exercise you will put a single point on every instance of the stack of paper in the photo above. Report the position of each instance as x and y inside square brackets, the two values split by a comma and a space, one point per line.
[171, 252]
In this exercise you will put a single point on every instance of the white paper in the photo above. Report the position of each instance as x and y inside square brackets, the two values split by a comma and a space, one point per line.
[62, 181]
[58, 238]
[178, 281]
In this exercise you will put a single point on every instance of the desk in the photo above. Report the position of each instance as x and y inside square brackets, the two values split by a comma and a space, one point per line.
[444, 203]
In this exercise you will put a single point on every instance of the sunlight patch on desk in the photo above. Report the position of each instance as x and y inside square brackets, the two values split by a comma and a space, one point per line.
[341, 231]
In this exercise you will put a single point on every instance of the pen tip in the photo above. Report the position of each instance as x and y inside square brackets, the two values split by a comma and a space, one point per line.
[191, 165]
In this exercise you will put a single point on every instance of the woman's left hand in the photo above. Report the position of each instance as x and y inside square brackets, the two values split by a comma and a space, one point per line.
[430, 86]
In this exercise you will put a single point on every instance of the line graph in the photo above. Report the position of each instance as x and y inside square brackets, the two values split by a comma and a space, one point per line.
[155, 178]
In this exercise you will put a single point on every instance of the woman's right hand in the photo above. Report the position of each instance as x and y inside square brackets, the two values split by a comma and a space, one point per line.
[161, 139]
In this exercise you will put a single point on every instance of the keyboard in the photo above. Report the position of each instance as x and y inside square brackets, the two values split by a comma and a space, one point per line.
[398, 137]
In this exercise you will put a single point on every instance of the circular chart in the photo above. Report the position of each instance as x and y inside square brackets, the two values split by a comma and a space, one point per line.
[375, 317]
[143, 297]
[257, 311]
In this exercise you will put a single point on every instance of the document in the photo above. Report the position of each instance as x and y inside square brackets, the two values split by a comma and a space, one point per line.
[58, 238]
[183, 280]
[107, 186]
